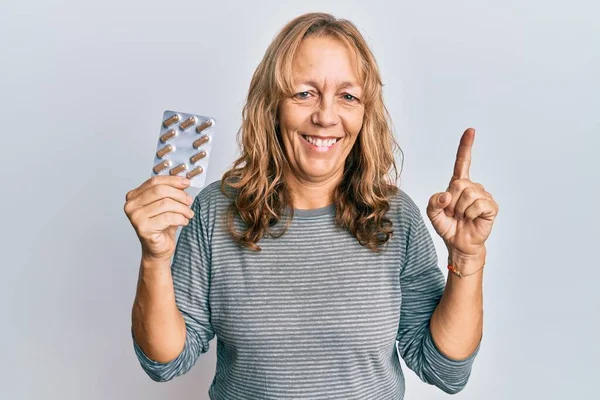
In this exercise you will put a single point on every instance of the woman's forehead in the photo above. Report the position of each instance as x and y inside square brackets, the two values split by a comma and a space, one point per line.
[325, 61]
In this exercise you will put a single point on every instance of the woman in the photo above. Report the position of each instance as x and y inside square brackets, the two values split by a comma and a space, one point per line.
[306, 262]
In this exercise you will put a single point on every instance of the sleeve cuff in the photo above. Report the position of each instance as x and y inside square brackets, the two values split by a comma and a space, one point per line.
[440, 360]
[159, 372]
[448, 374]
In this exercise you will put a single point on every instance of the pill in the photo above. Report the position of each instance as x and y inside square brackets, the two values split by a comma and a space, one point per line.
[194, 172]
[178, 169]
[198, 156]
[159, 167]
[168, 135]
[199, 142]
[171, 120]
[165, 150]
[204, 125]
[187, 123]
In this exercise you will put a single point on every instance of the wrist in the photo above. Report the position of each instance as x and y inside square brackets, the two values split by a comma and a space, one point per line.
[155, 263]
[466, 265]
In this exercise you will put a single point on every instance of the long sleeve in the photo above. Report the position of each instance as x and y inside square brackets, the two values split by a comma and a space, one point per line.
[190, 270]
[422, 284]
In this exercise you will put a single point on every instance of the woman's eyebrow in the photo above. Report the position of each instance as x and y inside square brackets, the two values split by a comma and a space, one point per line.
[343, 85]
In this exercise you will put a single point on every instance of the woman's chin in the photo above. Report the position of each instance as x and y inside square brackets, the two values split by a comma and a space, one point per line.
[315, 172]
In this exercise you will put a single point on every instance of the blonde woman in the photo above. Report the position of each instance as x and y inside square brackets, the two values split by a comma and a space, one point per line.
[305, 260]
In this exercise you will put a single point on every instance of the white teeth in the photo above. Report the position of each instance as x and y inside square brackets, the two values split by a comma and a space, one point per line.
[321, 142]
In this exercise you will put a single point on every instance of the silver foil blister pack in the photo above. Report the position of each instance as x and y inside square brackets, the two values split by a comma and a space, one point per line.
[184, 145]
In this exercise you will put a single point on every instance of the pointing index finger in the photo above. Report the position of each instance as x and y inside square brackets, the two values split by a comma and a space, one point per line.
[463, 155]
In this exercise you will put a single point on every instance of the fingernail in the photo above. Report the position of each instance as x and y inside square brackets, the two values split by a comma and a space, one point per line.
[442, 198]
[185, 181]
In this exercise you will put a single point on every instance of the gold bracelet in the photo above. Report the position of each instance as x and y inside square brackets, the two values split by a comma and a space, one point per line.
[460, 274]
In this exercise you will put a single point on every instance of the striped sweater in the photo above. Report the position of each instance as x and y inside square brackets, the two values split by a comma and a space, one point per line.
[314, 315]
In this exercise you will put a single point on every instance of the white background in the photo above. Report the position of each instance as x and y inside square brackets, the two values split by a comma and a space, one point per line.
[83, 86]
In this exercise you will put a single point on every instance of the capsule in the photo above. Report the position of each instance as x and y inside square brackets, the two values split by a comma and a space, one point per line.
[171, 120]
[194, 172]
[187, 123]
[197, 156]
[206, 124]
[168, 135]
[178, 169]
[165, 150]
[199, 142]
[160, 166]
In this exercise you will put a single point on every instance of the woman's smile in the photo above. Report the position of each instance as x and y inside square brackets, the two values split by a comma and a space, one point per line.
[317, 144]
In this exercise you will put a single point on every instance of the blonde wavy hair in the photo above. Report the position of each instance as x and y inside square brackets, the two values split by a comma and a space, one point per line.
[261, 196]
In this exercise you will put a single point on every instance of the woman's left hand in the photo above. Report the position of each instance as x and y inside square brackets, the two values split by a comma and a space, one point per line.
[464, 219]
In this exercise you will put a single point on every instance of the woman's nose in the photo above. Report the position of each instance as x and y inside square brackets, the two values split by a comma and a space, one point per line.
[327, 113]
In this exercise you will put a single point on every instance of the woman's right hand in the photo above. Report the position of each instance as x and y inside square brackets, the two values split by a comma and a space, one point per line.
[155, 209]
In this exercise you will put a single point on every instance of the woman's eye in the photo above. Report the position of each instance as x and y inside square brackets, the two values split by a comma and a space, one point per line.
[349, 97]
[302, 95]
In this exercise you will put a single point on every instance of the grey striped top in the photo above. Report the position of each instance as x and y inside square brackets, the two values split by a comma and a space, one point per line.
[314, 315]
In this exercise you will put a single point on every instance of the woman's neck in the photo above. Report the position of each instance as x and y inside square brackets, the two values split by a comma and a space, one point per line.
[307, 195]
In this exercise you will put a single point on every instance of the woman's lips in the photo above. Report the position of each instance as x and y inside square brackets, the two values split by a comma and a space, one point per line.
[320, 149]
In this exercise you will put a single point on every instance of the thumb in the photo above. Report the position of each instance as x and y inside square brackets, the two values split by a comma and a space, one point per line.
[172, 230]
[437, 203]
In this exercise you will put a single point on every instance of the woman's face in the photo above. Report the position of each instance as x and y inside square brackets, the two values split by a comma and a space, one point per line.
[326, 105]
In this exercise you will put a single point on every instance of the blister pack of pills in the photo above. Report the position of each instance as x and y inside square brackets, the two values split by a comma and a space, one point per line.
[184, 146]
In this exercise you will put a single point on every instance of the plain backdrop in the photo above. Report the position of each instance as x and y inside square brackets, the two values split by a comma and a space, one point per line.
[83, 86]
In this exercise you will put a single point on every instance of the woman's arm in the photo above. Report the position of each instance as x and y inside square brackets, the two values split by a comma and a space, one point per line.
[422, 284]
[457, 322]
[157, 325]
[183, 290]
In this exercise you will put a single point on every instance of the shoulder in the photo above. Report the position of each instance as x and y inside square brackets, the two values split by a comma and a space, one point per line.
[404, 209]
[410, 227]
[211, 201]
[211, 193]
